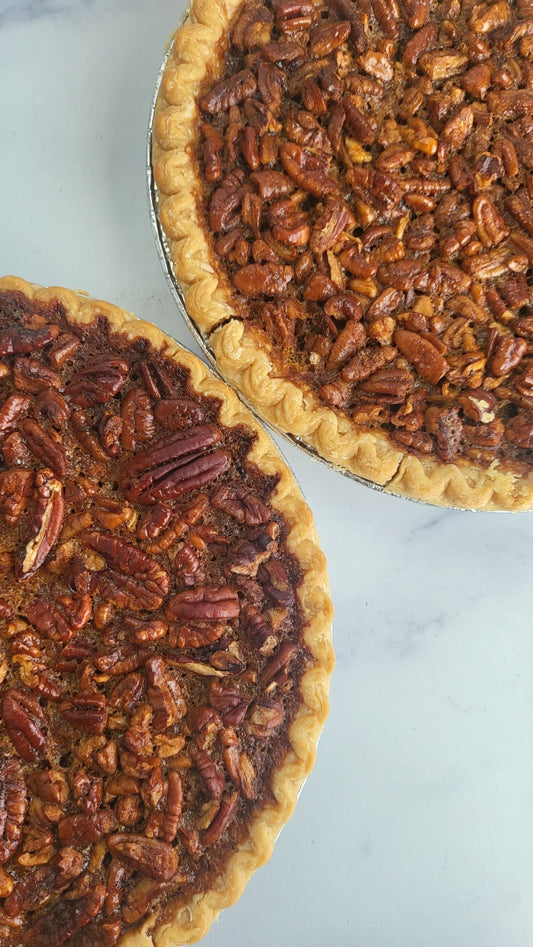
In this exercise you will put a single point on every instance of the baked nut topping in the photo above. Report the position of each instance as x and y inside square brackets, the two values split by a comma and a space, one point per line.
[165, 645]
[361, 191]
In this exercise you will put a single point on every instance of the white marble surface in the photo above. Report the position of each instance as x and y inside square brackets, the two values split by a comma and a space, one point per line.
[415, 827]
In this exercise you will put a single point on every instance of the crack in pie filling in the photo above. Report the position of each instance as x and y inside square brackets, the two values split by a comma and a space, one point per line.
[345, 191]
[165, 631]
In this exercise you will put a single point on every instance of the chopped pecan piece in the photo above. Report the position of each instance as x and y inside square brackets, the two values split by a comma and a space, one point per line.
[442, 64]
[519, 430]
[240, 771]
[154, 857]
[49, 785]
[265, 716]
[230, 702]
[262, 279]
[244, 506]
[445, 424]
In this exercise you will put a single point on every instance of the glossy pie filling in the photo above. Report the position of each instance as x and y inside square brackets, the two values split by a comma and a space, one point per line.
[150, 632]
[367, 185]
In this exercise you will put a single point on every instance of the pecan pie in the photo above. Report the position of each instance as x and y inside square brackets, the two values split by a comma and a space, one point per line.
[345, 191]
[165, 645]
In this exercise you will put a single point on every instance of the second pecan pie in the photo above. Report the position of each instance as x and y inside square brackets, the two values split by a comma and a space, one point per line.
[345, 191]
[165, 632]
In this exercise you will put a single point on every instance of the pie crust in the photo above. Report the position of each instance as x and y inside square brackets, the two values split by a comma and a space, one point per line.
[185, 920]
[245, 355]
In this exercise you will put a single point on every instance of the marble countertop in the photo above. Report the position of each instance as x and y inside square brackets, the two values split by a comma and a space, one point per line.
[415, 827]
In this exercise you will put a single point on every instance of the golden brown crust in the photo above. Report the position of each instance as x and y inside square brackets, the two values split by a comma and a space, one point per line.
[250, 364]
[193, 920]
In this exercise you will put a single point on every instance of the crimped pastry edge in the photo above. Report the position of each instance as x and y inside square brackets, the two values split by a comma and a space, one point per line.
[365, 454]
[192, 921]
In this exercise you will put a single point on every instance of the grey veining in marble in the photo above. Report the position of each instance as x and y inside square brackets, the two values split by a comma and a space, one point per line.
[13, 11]
[31, 10]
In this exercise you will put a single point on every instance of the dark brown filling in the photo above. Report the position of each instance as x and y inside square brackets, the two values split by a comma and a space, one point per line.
[150, 636]
[368, 184]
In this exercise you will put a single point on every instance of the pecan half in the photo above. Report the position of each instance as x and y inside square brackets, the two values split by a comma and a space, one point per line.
[205, 603]
[445, 424]
[240, 771]
[229, 92]
[60, 620]
[84, 829]
[15, 490]
[306, 170]
[24, 720]
[175, 467]
[324, 39]
[173, 807]
[46, 523]
[14, 407]
[211, 775]
[428, 361]
[221, 820]
[132, 578]
[98, 381]
[44, 447]
[30, 375]
[16, 340]
[86, 712]
[163, 694]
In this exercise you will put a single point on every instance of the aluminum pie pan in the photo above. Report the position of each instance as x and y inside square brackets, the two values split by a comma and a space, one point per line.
[165, 257]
